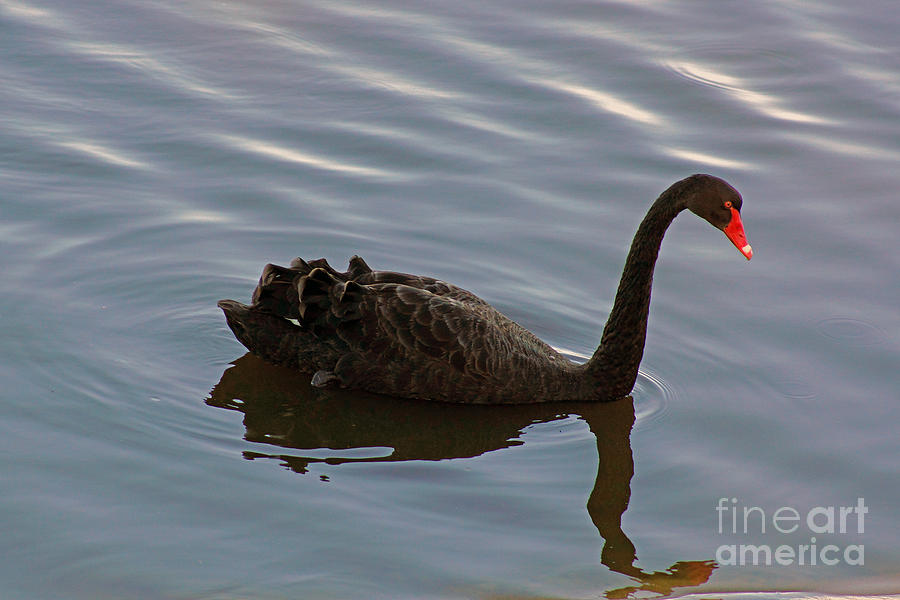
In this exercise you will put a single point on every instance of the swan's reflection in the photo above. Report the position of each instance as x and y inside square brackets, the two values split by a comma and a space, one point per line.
[281, 409]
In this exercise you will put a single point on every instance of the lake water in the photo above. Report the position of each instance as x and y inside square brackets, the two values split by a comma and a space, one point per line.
[155, 155]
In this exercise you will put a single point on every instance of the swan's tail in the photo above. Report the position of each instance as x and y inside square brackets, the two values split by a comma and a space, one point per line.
[292, 307]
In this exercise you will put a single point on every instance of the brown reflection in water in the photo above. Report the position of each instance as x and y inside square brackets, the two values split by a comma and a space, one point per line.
[281, 409]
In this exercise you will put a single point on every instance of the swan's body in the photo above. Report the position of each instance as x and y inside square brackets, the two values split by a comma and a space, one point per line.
[418, 337]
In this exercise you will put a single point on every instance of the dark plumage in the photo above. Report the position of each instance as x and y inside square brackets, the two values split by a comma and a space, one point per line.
[419, 337]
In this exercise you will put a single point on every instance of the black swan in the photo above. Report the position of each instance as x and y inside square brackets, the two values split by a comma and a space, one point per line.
[418, 337]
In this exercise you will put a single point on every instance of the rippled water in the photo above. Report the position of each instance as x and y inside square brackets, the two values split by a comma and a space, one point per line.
[154, 156]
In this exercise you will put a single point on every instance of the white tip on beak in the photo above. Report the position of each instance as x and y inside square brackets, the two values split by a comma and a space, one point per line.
[747, 251]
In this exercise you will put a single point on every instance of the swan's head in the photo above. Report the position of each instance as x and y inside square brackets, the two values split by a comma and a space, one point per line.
[716, 201]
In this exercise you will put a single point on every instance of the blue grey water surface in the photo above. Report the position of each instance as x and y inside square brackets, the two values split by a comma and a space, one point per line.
[155, 155]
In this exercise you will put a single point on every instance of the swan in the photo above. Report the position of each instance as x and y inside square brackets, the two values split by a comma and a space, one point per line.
[419, 337]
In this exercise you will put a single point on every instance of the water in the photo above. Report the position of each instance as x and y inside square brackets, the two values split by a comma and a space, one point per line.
[154, 156]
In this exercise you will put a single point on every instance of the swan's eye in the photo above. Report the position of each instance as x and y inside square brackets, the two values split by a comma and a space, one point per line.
[728, 204]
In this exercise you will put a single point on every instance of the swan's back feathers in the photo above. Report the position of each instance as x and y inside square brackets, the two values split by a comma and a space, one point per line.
[399, 334]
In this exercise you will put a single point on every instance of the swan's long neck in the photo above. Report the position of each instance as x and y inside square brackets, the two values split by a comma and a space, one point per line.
[613, 368]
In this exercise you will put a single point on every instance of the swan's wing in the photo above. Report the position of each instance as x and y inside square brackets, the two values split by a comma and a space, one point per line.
[395, 324]
[390, 333]
[428, 284]
[276, 292]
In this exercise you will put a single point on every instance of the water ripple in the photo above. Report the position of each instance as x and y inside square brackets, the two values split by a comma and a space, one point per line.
[292, 155]
[486, 124]
[282, 38]
[795, 389]
[708, 159]
[829, 141]
[698, 66]
[105, 154]
[393, 82]
[133, 58]
[607, 102]
[652, 396]
[850, 331]
[27, 12]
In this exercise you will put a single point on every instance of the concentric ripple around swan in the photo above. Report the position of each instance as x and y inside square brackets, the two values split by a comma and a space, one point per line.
[651, 393]
[850, 331]
[652, 396]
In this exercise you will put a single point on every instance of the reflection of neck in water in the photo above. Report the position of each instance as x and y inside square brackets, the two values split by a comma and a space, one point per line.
[281, 408]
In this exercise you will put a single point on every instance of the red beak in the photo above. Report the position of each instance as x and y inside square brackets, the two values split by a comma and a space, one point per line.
[735, 232]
